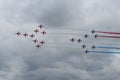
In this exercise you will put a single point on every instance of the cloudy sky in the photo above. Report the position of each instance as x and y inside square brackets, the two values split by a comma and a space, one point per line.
[20, 60]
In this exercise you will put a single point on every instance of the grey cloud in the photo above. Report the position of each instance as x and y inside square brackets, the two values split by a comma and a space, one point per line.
[57, 15]
[53, 13]
[20, 60]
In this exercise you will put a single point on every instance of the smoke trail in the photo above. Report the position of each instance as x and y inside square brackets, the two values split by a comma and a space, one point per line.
[77, 29]
[50, 46]
[107, 32]
[65, 33]
[106, 42]
[106, 47]
[104, 52]
[109, 36]
[56, 33]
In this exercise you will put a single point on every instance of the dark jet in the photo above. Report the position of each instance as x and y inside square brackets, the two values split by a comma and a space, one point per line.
[35, 41]
[38, 46]
[36, 31]
[86, 51]
[18, 33]
[93, 31]
[32, 35]
[84, 46]
[96, 35]
[86, 36]
[42, 42]
[43, 32]
[72, 40]
[25, 34]
[41, 26]
[79, 40]
[93, 47]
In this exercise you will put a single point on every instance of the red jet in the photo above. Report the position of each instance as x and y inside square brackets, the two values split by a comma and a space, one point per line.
[42, 42]
[32, 35]
[25, 34]
[38, 46]
[35, 41]
[36, 31]
[18, 33]
[41, 26]
[43, 32]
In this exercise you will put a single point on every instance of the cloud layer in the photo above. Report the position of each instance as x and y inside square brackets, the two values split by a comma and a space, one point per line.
[21, 61]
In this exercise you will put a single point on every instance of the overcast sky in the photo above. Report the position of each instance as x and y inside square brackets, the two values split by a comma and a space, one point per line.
[20, 60]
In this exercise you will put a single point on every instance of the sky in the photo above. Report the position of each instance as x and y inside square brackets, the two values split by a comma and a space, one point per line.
[59, 59]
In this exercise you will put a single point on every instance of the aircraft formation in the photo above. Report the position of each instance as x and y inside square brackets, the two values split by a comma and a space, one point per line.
[33, 35]
[95, 34]
[100, 34]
